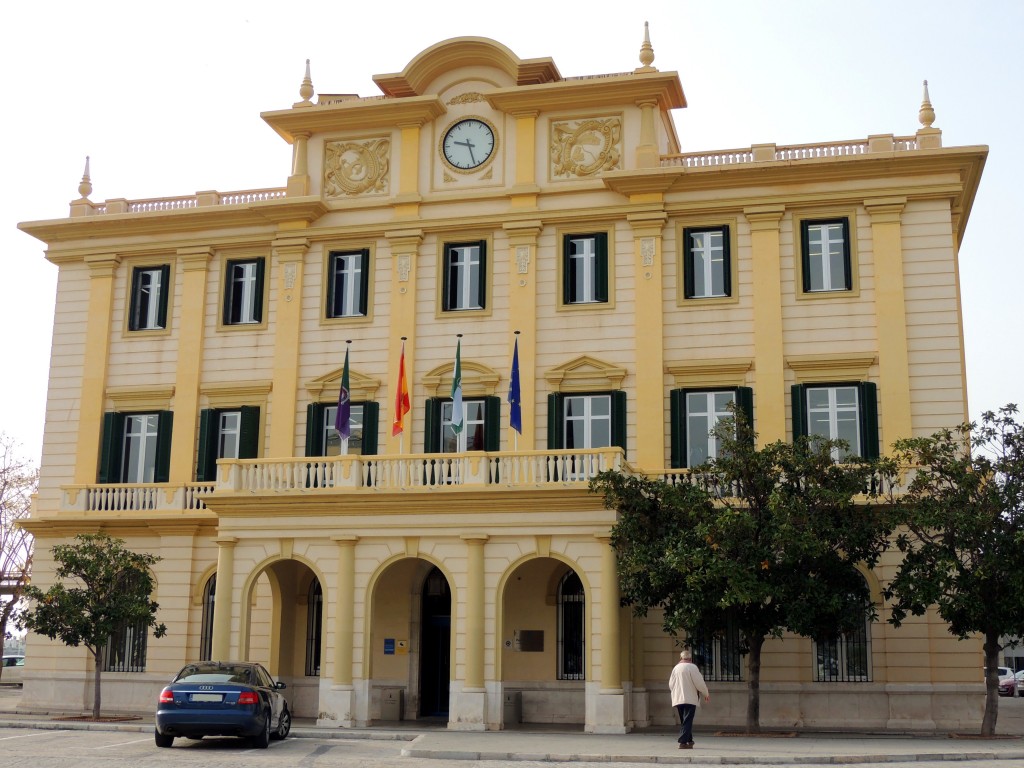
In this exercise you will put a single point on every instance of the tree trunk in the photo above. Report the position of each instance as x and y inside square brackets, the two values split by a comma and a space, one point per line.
[754, 685]
[97, 670]
[992, 648]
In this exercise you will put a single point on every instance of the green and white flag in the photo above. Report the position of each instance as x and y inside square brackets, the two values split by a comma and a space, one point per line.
[457, 391]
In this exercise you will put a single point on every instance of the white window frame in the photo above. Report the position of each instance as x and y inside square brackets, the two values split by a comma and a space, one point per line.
[331, 440]
[703, 260]
[149, 281]
[139, 447]
[475, 426]
[713, 413]
[835, 411]
[463, 265]
[229, 434]
[587, 417]
[243, 274]
[820, 262]
[350, 266]
[584, 288]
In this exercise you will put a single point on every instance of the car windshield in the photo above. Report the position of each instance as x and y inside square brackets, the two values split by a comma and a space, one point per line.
[216, 673]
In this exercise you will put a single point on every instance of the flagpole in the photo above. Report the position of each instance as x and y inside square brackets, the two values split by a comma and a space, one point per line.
[344, 440]
[515, 395]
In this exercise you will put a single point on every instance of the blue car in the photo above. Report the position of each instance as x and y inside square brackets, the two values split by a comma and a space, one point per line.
[223, 698]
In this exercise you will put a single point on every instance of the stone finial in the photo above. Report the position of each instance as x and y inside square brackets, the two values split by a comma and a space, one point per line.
[926, 114]
[85, 186]
[306, 89]
[646, 53]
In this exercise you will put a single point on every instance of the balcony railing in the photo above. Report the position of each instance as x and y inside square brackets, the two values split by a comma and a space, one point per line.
[312, 475]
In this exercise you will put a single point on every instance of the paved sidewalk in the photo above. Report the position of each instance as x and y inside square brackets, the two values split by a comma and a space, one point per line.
[653, 746]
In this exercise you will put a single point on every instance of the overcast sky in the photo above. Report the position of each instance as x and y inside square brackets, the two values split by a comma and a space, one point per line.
[165, 98]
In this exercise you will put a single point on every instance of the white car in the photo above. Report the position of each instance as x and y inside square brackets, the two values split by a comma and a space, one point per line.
[12, 669]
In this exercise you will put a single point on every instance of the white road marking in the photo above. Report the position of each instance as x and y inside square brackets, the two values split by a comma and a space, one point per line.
[121, 743]
[25, 735]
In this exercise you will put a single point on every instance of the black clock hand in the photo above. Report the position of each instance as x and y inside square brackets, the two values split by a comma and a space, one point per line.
[468, 145]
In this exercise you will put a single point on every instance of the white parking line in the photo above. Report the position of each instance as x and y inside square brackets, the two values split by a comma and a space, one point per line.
[122, 743]
[25, 735]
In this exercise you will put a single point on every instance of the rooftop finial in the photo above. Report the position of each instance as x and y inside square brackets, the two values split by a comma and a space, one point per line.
[85, 187]
[926, 114]
[646, 53]
[306, 89]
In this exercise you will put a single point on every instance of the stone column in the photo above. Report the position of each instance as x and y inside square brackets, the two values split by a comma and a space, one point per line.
[647, 149]
[102, 269]
[650, 351]
[891, 318]
[194, 265]
[223, 600]
[298, 182]
[337, 706]
[769, 375]
[289, 253]
[468, 708]
[610, 711]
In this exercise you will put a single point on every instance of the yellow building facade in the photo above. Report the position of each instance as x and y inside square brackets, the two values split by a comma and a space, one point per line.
[423, 570]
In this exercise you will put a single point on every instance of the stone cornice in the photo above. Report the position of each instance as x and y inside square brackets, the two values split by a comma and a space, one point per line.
[354, 115]
[663, 88]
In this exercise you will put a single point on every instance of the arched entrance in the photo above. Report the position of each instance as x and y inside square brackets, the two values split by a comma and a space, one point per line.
[435, 645]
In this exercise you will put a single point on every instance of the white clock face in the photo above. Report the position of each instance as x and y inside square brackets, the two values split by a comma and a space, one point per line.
[468, 144]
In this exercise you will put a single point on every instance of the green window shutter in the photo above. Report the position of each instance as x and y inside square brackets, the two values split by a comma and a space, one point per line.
[446, 264]
[364, 282]
[619, 419]
[799, 406]
[492, 423]
[432, 425]
[225, 310]
[249, 432]
[688, 273]
[258, 299]
[805, 256]
[726, 264]
[868, 396]
[135, 308]
[314, 429]
[111, 447]
[165, 292]
[482, 295]
[371, 416]
[556, 425]
[601, 266]
[332, 278]
[677, 427]
[847, 263]
[745, 403]
[206, 456]
[164, 424]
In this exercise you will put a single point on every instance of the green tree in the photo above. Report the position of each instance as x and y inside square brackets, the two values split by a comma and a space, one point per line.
[110, 590]
[963, 536]
[18, 481]
[765, 538]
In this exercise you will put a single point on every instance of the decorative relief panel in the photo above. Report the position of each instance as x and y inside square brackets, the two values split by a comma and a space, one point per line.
[472, 97]
[581, 148]
[357, 167]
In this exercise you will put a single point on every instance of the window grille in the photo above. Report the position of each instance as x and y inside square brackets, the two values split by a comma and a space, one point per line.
[571, 603]
[206, 631]
[314, 624]
[126, 649]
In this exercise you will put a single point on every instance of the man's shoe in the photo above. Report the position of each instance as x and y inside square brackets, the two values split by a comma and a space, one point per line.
[686, 745]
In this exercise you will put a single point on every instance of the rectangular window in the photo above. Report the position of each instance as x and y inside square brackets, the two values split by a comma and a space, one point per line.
[126, 649]
[839, 412]
[588, 421]
[333, 444]
[826, 256]
[150, 288]
[136, 447]
[718, 653]
[348, 282]
[481, 425]
[695, 412]
[706, 265]
[226, 433]
[471, 438]
[243, 292]
[464, 278]
[585, 269]
[844, 659]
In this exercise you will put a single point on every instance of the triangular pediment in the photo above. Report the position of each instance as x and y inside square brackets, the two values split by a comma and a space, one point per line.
[585, 374]
[326, 387]
[478, 380]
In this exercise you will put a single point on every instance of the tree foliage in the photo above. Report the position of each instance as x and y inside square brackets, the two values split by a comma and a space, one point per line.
[963, 535]
[110, 588]
[18, 481]
[765, 538]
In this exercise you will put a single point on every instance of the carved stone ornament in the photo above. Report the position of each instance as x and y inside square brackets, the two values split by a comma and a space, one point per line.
[581, 148]
[471, 97]
[523, 259]
[290, 273]
[404, 267]
[647, 251]
[357, 167]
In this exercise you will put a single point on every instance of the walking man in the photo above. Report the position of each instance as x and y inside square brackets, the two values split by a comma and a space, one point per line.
[686, 684]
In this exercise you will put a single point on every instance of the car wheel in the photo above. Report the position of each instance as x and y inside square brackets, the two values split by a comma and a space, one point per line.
[284, 725]
[162, 740]
[262, 740]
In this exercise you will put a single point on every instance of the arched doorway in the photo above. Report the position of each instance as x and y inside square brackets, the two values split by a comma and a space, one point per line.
[435, 645]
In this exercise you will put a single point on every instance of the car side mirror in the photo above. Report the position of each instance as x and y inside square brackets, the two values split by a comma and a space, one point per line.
[279, 686]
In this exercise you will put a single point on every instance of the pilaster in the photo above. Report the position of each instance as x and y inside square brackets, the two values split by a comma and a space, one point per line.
[609, 712]
[522, 240]
[469, 705]
[769, 376]
[288, 253]
[405, 246]
[337, 706]
[891, 318]
[194, 265]
[102, 269]
[223, 600]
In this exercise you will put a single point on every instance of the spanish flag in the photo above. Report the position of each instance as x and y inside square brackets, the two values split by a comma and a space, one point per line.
[401, 398]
